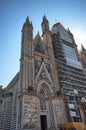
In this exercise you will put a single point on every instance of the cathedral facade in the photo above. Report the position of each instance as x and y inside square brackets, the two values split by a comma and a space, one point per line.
[50, 87]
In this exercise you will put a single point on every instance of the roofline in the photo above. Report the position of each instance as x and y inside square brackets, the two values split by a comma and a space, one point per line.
[62, 27]
[12, 82]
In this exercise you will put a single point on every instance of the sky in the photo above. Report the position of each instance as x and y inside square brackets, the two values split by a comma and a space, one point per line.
[71, 13]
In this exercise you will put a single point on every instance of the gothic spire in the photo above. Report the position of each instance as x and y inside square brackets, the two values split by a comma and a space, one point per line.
[27, 24]
[45, 25]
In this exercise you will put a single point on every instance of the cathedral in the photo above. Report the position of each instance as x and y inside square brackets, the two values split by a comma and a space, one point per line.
[50, 88]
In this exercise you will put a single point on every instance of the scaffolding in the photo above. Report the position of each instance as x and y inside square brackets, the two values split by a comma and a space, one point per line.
[72, 80]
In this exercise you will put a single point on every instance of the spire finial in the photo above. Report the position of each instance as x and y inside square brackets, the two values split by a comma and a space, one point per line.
[82, 47]
[27, 19]
[44, 17]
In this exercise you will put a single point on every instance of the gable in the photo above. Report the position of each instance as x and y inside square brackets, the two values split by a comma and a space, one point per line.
[38, 45]
[43, 73]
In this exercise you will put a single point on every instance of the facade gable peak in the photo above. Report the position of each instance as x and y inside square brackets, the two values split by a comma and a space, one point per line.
[38, 44]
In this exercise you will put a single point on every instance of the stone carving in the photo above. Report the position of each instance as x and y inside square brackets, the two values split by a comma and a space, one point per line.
[30, 89]
[42, 100]
[42, 71]
[47, 67]
[43, 75]
[30, 119]
[37, 66]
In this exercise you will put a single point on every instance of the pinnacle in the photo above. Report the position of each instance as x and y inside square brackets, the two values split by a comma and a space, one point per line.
[82, 47]
[44, 17]
[27, 20]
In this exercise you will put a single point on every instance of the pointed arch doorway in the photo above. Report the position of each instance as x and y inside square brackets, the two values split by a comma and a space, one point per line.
[43, 110]
[44, 91]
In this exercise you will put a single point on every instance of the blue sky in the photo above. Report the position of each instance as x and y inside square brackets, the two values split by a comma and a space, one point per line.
[71, 13]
